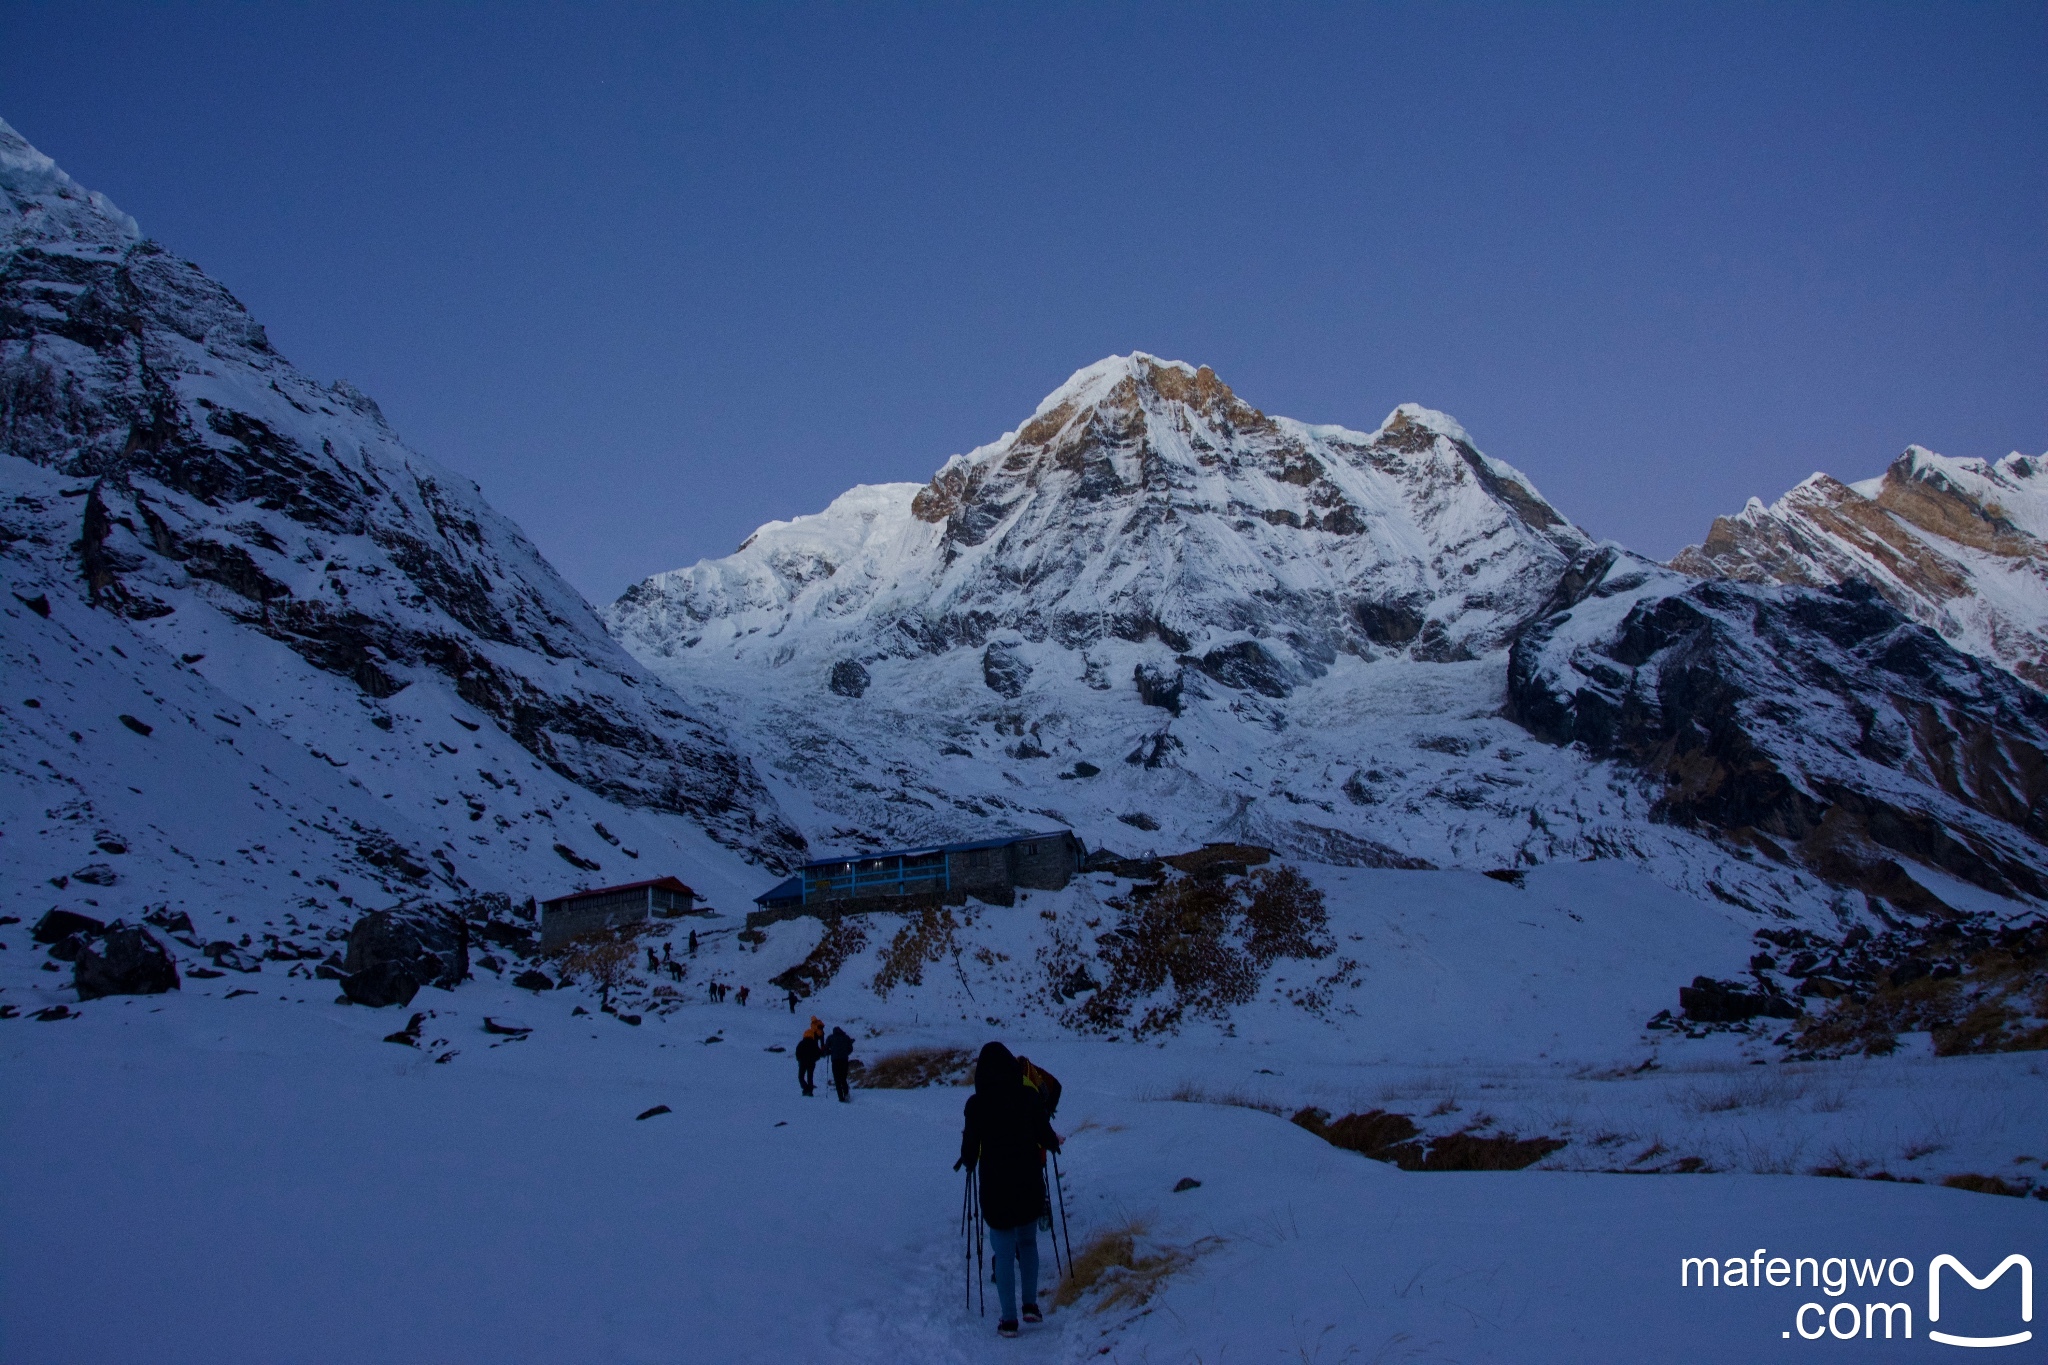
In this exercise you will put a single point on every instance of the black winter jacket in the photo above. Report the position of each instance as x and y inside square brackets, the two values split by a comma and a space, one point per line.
[1005, 1132]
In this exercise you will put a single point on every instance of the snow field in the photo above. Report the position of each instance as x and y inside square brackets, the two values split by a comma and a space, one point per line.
[259, 1180]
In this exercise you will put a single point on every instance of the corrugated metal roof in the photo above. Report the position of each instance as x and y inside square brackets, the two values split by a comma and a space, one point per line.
[662, 883]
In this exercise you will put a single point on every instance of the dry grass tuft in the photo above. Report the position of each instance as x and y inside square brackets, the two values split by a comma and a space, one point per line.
[1128, 1268]
[1764, 1089]
[913, 1068]
[1192, 1092]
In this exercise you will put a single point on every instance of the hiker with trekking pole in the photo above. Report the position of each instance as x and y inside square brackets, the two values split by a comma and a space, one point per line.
[1002, 1149]
[839, 1047]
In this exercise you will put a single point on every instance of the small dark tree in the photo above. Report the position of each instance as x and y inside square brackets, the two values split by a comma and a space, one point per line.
[607, 963]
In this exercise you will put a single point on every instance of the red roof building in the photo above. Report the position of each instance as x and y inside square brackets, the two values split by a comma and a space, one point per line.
[612, 907]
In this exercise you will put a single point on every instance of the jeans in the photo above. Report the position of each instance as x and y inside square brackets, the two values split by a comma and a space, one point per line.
[1013, 1247]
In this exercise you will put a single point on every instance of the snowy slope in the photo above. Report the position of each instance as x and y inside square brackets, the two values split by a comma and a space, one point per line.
[1159, 616]
[268, 667]
[351, 678]
[260, 1180]
[1959, 545]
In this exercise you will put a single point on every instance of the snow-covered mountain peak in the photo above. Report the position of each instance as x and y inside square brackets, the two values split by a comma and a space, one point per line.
[1144, 500]
[1092, 383]
[46, 207]
[1959, 544]
[1414, 416]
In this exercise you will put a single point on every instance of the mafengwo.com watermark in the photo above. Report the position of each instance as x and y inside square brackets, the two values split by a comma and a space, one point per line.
[1875, 1298]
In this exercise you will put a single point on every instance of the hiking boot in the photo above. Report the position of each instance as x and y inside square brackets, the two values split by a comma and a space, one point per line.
[1031, 1313]
[1007, 1327]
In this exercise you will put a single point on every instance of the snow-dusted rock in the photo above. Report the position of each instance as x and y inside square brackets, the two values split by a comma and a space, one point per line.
[1958, 545]
[274, 655]
[125, 960]
[429, 942]
[1824, 729]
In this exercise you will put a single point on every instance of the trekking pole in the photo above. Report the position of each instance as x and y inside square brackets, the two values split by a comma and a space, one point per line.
[966, 1239]
[979, 1278]
[1045, 1191]
[1059, 1183]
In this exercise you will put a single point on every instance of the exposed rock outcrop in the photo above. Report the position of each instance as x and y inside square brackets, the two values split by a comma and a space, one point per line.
[428, 942]
[1825, 729]
[1961, 546]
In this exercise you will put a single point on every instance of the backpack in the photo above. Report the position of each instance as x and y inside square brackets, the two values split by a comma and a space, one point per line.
[1044, 1083]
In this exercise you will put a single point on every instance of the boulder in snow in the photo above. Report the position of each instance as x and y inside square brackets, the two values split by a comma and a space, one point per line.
[124, 961]
[849, 679]
[1708, 1001]
[387, 983]
[429, 943]
[226, 955]
[1159, 687]
[59, 925]
[1004, 670]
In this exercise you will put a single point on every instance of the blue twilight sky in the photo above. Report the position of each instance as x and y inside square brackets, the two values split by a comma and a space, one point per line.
[655, 274]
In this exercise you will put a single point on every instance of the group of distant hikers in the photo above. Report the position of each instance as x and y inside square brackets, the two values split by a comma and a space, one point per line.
[815, 1044]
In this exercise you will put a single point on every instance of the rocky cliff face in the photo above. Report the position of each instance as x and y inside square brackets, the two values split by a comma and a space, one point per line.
[1144, 501]
[190, 517]
[1821, 729]
[1959, 545]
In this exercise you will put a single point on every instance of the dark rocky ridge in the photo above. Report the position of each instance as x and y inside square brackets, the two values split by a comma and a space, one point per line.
[1823, 728]
[1946, 541]
[214, 469]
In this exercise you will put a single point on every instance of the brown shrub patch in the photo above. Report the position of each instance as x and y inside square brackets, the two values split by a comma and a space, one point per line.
[1391, 1137]
[1985, 1184]
[1235, 857]
[842, 939]
[926, 938]
[913, 1068]
[1197, 945]
[1975, 985]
